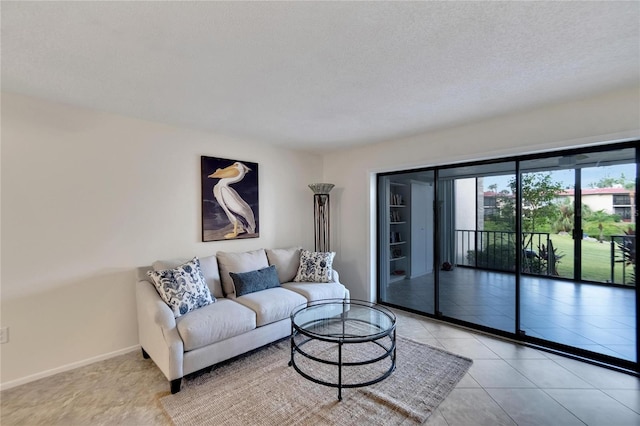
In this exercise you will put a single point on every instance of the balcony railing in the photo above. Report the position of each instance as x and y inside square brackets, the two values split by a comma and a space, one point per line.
[623, 252]
[496, 250]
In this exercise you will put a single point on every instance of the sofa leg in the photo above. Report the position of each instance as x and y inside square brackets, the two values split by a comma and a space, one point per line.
[175, 385]
[145, 355]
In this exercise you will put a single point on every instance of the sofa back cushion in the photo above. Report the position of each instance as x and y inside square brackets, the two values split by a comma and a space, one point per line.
[250, 282]
[208, 266]
[286, 262]
[239, 262]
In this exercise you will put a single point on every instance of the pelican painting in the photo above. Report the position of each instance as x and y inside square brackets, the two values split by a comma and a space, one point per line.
[235, 191]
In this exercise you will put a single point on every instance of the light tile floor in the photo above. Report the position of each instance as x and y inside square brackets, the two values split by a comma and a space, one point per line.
[511, 384]
[508, 384]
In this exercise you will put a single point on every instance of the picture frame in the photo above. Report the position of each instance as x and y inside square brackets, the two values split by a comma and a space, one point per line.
[230, 201]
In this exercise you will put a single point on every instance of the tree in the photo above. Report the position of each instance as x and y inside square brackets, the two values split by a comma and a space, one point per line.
[503, 219]
[538, 194]
[564, 222]
[609, 182]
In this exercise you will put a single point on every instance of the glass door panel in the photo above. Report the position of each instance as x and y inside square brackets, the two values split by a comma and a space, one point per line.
[572, 241]
[608, 188]
[476, 214]
[405, 240]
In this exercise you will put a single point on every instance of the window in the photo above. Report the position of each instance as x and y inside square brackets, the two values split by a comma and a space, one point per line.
[621, 200]
[623, 212]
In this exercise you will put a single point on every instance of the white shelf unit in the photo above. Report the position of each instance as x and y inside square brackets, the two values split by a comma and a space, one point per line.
[399, 210]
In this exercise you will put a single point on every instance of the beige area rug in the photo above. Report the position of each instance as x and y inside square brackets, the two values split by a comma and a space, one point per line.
[261, 389]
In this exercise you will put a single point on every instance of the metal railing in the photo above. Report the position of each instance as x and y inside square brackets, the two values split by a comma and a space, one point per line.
[623, 252]
[496, 250]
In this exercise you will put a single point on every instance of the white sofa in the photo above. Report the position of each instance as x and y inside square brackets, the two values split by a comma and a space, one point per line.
[232, 325]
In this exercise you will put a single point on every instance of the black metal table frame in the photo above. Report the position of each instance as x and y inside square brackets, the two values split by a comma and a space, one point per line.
[341, 339]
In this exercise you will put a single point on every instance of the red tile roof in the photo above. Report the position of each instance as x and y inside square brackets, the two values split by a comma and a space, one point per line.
[597, 191]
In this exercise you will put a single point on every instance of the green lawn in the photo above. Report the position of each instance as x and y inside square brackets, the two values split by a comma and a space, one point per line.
[596, 259]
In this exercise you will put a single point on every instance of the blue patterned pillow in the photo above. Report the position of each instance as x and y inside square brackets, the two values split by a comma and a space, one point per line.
[183, 288]
[250, 282]
[315, 267]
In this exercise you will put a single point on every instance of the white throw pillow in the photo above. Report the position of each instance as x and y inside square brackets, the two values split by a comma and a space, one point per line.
[208, 266]
[286, 261]
[239, 262]
[183, 288]
[315, 267]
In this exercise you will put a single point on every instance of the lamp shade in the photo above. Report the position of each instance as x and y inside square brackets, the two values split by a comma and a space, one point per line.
[321, 188]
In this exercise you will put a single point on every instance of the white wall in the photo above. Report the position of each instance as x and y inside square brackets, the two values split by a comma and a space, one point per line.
[87, 197]
[598, 202]
[607, 117]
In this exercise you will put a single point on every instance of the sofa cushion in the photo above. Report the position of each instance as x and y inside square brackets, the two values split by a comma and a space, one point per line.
[317, 291]
[214, 323]
[208, 266]
[286, 261]
[239, 262]
[250, 282]
[271, 305]
[183, 288]
[315, 267]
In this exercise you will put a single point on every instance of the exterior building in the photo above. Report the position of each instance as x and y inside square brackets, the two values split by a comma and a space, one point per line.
[619, 201]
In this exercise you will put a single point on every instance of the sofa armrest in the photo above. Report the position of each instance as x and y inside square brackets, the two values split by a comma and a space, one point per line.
[157, 331]
[151, 306]
[335, 276]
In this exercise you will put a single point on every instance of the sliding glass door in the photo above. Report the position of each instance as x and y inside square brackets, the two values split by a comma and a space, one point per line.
[540, 248]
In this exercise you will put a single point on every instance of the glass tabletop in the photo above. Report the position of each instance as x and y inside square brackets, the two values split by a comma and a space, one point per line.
[340, 320]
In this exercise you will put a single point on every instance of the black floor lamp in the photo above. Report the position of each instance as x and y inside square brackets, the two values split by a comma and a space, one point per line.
[321, 214]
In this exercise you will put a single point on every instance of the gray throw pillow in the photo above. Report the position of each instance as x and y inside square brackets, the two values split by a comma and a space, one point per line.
[250, 282]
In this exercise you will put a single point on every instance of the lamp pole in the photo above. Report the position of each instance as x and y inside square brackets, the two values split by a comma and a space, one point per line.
[321, 215]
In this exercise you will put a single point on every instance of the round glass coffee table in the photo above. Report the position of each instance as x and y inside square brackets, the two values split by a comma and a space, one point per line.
[343, 344]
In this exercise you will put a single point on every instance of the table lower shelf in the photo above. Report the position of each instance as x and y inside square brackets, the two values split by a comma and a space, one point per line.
[342, 364]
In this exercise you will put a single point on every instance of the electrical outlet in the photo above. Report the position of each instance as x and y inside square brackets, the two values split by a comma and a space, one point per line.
[4, 334]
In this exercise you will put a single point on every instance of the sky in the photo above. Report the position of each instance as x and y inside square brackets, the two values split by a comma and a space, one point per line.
[590, 175]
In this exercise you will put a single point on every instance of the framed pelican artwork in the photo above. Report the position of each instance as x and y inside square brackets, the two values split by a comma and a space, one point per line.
[229, 199]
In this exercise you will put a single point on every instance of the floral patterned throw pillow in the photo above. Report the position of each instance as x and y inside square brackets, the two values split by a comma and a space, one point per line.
[183, 288]
[315, 267]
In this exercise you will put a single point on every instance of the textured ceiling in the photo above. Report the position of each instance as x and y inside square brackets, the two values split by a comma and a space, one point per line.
[318, 75]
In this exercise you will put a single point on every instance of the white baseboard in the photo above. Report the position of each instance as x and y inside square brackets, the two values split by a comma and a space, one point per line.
[67, 367]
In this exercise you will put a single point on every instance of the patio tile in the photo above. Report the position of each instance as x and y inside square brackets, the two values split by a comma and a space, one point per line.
[604, 336]
[562, 335]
